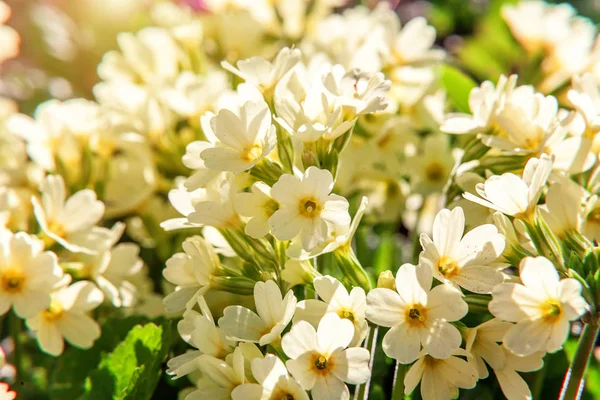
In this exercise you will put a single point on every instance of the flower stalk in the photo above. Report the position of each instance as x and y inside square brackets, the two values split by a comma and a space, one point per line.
[574, 378]
[362, 391]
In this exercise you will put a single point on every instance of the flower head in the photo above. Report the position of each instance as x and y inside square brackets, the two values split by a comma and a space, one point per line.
[542, 307]
[464, 261]
[320, 360]
[440, 378]
[417, 315]
[27, 274]
[71, 223]
[191, 271]
[273, 382]
[335, 298]
[512, 195]
[307, 207]
[243, 139]
[273, 314]
[67, 316]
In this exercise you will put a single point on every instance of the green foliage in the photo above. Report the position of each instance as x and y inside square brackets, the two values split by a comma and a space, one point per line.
[71, 369]
[133, 369]
[458, 85]
[125, 362]
[492, 50]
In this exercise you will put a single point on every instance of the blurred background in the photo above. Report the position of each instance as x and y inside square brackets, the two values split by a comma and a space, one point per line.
[62, 41]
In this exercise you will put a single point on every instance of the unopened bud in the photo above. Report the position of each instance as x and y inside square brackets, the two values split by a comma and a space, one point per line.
[386, 280]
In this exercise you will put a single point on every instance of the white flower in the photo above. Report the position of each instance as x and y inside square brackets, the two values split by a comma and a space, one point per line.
[542, 307]
[5, 393]
[585, 97]
[261, 73]
[484, 102]
[482, 344]
[320, 360]
[563, 207]
[538, 25]
[199, 330]
[512, 384]
[418, 315]
[202, 174]
[27, 274]
[512, 195]
[335, 299]
[273, 382]
[220, 377]
[135, 107]
[47, 137]
[151, 56]
[243, 140]
[462, 261]
[305, 111]
[297, 272]
[528, 122]
[431, 168]
[591, 221]
[112, 270]
[193, 95]
[191, 272]
[132, 177]
[216, 208]
[259, 206]
[358, 92]
[273, 314]
[413, 44]
[357, 37]
[67, 316]
[183, 201]
[306, 207]
[440, 378]
[339, 237]
[71, 223]
[526, 118]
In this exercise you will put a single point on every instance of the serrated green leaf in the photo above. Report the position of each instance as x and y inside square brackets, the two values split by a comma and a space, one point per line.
[71, 369]
[133, 369]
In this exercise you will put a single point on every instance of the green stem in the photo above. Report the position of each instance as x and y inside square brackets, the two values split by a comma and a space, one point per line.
[362, 391]
[538, 382]
[15, 332]
[573, 383]
[398, 391]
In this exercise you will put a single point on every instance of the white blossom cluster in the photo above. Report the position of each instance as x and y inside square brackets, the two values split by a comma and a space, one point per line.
[256, 149]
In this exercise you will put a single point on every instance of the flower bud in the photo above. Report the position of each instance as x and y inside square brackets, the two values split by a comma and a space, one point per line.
[386, 280]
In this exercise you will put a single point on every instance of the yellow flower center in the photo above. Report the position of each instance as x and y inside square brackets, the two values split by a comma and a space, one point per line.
[57, 228]
[346, 314]
[282, 395]
[320, 363]
[551, 310]
[13, 280]
[594, 216]
[416, 315]
[309, 208]
[533, 143]
[54, 312]
[251, 153]
[435, 172]
[448, 267]
[270, 207]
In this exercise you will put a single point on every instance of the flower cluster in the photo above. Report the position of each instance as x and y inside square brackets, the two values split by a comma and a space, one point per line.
[256, 172]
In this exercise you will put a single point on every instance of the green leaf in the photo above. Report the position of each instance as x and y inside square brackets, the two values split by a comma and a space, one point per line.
[71, 369]
[458, 85]
[133, 369]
